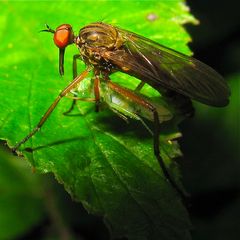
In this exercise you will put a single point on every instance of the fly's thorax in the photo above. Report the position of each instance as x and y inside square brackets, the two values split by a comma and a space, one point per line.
[97, 38]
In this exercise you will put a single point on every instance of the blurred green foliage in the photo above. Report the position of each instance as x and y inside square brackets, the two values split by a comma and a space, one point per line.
[21, 202]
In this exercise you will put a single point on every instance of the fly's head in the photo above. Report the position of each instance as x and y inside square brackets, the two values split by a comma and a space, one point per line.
[62, 37]
[96, 38]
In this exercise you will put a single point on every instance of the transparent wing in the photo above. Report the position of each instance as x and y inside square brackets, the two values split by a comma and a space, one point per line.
[162, 67]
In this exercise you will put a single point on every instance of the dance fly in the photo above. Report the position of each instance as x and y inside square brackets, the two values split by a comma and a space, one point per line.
[106, 49]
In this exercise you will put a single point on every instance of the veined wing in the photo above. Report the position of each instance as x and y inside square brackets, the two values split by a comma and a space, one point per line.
[162, 67]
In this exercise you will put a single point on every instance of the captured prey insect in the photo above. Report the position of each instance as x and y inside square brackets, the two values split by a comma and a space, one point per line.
[106, 49]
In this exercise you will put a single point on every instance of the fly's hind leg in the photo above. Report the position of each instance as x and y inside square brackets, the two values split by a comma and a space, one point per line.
[146, 104]
[157, 152]
[74, 69]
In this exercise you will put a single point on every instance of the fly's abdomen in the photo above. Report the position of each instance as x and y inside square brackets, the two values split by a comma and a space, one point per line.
[131, 109]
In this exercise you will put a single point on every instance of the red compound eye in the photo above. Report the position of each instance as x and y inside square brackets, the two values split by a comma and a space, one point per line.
[63, 36]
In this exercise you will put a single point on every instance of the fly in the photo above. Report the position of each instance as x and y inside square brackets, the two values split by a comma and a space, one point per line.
[106, 49]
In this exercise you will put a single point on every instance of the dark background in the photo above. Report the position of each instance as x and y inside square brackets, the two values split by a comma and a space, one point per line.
[216, 40]
[211, 142]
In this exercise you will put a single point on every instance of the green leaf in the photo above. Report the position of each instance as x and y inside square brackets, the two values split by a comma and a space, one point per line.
[106, 164]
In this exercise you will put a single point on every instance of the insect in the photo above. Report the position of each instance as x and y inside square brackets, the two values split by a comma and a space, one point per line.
[106, 49]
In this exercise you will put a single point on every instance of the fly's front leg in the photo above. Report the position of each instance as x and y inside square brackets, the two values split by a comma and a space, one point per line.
[63, 93]
[74, 69]
[147, 105]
